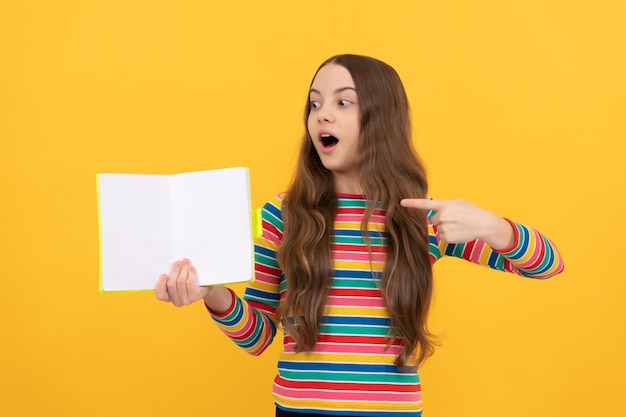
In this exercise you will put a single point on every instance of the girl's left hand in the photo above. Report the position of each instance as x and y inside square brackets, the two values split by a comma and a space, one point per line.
[458, 221]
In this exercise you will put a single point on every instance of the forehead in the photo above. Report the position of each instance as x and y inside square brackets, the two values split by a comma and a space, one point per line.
[331, 77]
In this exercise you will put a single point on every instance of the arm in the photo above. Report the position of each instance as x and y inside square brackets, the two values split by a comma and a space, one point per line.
[250, 322]
[460, 229]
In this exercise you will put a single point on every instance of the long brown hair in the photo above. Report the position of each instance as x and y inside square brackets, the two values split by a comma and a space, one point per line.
[390, 170]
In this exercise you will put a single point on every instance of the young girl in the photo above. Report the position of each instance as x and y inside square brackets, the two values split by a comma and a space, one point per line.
[344, 263]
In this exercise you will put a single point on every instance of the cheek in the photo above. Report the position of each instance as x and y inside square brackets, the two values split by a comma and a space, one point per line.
[356, 129]
[356, 123]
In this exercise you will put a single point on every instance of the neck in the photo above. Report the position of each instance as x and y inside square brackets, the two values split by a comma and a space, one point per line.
[347, 184]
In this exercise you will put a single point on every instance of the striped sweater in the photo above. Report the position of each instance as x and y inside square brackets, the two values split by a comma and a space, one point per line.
[350, 371]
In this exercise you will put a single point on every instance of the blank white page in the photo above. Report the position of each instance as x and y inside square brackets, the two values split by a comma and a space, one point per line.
[213, 223]
[149, 221]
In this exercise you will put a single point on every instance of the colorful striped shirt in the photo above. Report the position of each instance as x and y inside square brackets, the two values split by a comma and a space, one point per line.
[350, 371]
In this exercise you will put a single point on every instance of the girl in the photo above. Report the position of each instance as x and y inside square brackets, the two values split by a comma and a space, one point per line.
[344, 262]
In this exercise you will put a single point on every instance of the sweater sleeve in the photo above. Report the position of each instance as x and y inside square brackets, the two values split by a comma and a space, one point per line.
[532, 255]
[250, 321]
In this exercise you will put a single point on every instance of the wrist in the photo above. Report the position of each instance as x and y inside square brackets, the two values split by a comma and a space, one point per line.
[219, 299]
[501, 234]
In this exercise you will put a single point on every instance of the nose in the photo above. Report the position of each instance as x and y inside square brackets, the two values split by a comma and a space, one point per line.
[324, 115]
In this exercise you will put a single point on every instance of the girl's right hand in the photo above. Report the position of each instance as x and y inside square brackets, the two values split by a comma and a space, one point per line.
[181, 286]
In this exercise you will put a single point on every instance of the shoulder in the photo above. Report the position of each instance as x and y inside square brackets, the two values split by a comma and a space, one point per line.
[273, 207]
[276, 201]
[272, 219]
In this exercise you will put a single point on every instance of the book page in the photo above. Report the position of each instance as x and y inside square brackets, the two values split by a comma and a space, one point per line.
[136, 236]
[213, 223]
[149, 221]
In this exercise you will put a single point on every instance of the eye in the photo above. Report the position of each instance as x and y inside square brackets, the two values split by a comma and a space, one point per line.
[315, 104]
[344, 103]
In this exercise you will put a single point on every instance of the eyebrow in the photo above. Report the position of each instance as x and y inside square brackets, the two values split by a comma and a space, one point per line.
[337, 91]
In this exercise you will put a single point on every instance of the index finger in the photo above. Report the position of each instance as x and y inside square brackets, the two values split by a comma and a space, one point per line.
[422, 203]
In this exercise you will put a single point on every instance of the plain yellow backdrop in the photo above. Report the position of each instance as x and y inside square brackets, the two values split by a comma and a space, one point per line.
[518, 106]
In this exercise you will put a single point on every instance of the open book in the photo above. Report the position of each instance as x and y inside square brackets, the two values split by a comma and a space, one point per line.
[149, 221]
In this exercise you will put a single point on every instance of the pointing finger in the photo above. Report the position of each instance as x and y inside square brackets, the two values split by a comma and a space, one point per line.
[422, 203]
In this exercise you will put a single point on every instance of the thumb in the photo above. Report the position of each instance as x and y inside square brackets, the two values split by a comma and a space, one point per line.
[160, 291]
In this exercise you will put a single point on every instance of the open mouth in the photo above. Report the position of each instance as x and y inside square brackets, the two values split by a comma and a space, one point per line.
[328, 140]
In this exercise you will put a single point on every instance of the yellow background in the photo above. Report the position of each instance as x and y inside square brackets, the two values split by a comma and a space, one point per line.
[518, 106]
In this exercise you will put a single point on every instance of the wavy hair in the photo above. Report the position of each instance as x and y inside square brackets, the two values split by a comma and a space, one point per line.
[390, 170]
